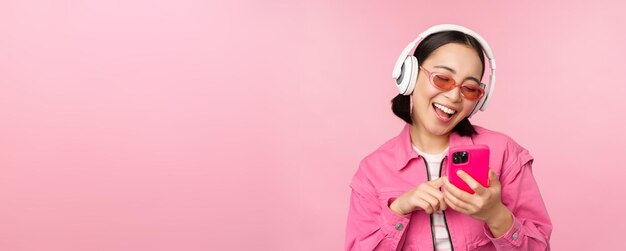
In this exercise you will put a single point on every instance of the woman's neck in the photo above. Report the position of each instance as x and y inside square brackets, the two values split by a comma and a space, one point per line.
[428, 142]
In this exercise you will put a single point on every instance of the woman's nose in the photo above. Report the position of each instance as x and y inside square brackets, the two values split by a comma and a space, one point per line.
[454, 95]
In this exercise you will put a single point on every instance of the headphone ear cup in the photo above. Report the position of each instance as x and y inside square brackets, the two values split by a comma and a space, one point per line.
[408, 76]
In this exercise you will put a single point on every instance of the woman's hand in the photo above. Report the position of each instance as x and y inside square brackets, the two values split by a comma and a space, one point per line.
[485, 204]
[426, 196]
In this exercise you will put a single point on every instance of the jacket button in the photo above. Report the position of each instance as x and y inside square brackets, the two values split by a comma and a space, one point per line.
[399, 226]
[515, 236]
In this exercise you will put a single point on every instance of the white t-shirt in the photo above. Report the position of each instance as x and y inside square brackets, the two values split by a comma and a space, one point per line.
[442, 237]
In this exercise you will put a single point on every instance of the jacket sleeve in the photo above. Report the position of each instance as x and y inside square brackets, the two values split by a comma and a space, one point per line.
[531, 224]
[371, 224]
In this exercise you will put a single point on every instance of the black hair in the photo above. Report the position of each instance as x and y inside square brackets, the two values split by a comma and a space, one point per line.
[401, 104]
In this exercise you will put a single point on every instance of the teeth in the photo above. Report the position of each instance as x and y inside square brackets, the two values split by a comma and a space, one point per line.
[445, 109]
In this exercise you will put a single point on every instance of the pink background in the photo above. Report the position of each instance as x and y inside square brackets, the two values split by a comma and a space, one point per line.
[237, 125]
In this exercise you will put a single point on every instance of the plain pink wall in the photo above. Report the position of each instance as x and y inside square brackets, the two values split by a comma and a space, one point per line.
[237, 125]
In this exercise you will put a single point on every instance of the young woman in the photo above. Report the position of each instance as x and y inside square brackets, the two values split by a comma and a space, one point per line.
[401, 196]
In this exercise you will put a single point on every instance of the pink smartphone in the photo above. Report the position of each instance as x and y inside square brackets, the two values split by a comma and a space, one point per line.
[474, 160]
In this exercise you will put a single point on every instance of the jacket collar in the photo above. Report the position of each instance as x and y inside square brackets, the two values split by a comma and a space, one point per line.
[404, 147]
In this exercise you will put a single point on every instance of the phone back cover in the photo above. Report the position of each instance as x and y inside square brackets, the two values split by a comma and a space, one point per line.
[477, 166]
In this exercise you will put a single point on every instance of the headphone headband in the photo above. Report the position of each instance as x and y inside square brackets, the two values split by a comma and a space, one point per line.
[405, 85]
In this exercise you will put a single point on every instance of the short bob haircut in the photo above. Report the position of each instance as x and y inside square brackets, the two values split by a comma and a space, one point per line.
[401, 104]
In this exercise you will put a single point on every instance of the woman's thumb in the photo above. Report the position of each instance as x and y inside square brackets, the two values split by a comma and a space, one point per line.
[493, 178]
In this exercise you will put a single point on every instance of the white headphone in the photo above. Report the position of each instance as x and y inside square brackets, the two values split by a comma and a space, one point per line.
[405, 71]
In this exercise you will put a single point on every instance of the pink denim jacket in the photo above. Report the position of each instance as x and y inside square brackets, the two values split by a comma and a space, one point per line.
[395, 168]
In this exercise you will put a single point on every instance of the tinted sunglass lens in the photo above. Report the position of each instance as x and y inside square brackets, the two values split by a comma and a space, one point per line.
[471, 92]
[444, 82]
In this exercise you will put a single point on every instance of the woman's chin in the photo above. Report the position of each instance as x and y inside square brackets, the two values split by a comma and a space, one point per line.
[439, 130]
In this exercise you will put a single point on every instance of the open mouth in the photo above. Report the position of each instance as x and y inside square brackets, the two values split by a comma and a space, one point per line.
[444, 113]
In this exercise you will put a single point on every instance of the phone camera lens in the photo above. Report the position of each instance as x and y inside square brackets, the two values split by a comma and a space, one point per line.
[464, 157]
[457, 157]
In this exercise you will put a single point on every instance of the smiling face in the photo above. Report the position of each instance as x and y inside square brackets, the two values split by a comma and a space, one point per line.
[431, 106]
